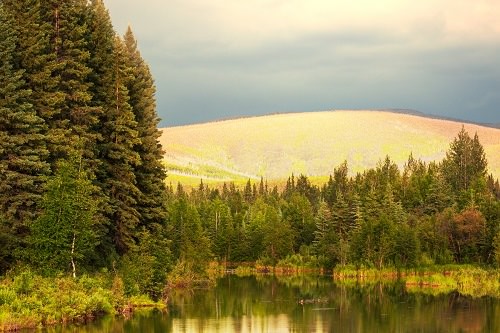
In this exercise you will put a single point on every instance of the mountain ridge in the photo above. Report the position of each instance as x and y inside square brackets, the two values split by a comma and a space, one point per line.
[389, 110]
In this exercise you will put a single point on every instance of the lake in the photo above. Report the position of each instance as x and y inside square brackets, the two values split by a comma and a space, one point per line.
[265, 303]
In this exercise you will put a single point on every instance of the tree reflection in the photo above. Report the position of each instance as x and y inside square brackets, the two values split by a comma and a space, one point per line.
[308, 304]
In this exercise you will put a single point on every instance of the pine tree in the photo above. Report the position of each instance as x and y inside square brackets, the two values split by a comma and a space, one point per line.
[101, 44]
[189, 242]
[278, 236]
[33, 57]
[247, 193]
[221, 229]
[102, 61]
[150, 173]
[73, 119]
[326, 240]
[465, 161]
[22, 141]
[340, 216]
[22, 148]
[262, 189]
[355, 214]
[298, 213]
[119, 160]
[323, 224]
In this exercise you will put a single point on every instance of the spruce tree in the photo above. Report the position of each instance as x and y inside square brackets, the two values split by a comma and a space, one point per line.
[22, 148]
[117, 178]
[340, 216]
[73, 123]
[32, 55]
[100, 44]
[465, 161]
[22, 140]
[150, 173]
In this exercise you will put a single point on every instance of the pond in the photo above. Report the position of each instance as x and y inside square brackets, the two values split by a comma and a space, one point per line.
[307, 304]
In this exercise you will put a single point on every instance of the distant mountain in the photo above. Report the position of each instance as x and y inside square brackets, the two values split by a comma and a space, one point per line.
[312, 143]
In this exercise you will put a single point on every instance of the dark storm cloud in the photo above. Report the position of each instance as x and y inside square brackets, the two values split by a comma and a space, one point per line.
[331, 71]
[202, 79]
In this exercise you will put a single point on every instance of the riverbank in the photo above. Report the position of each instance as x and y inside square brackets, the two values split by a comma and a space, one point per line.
[466, 279]
[28, 300]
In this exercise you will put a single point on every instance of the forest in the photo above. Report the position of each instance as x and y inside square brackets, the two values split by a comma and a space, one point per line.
[84, 191]
[427, 213]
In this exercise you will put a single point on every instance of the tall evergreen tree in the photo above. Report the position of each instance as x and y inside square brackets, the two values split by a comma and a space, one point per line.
[22, 141]
[465, 161]
[150, 173]
[189, 241]
[23, 151]
[100, 44]
[326, 240]
[340, 216]
[73, 119]
[278, 236]
[33, 57]
[116, 177]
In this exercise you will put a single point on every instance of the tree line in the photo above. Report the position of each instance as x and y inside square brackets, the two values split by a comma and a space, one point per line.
[426, 213]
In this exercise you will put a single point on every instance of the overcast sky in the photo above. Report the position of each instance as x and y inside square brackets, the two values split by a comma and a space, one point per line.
[215, 59]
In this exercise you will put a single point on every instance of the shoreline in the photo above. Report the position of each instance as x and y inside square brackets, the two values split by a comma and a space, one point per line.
[29, 301]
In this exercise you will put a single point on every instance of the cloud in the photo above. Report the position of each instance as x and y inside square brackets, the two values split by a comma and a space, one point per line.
[216, 59]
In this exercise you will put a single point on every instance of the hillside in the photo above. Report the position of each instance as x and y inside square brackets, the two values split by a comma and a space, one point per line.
[314, 143]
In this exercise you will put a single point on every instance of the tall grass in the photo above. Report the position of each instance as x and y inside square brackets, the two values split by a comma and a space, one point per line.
[466, 279]
[28, 300]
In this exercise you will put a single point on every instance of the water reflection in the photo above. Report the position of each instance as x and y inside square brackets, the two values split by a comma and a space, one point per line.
[315, 304]
[307, 304]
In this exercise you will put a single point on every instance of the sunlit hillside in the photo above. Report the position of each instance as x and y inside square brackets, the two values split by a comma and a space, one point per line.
[311, 143]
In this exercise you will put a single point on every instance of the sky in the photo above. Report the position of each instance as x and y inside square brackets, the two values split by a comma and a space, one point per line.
[219, 59]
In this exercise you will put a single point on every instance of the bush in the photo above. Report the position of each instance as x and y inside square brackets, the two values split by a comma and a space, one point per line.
[7, 295]
[28, 300]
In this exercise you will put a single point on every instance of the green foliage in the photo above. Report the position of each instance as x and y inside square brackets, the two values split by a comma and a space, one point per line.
[70, 86]
[65, 233]
[23, 149]
[150, 276]
[298, 213]
[496, 243]
[326, 240]
[278, 236]
[406, 251]
[119, 134]
[190, 243]
[28, 300]
[465, 161]
[150, 172]
[221, 229]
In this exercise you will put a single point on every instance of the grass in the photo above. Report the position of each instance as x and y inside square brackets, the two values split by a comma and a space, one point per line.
[466, 279]
[28, 300]
[312, 143]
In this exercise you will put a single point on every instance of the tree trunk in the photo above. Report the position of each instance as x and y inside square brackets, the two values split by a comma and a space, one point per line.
[73, 255]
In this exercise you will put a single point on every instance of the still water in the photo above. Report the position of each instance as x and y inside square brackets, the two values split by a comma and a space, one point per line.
[307, 304]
